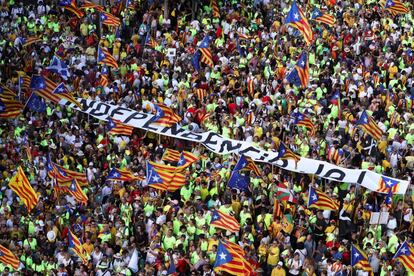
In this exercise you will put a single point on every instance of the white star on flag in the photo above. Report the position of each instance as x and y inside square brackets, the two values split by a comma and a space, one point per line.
[155, 178]
[296, 15]
[222, 256]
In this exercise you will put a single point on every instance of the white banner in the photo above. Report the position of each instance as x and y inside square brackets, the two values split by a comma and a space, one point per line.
[216, 143]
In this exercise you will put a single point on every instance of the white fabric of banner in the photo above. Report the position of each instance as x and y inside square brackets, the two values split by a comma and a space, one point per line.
[220, 145]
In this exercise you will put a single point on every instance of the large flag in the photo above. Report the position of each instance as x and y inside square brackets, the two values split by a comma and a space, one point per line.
[405, 254]
[58, 178]
[230, 258]
[6, 93]
[283, 193]
[215, 8]
[238, 181]
[104, 57]
[9, 108]
[369, 126]
[64, 93]
[303, 120]
[320, 200]
[36, 103]
[247, 164]
[24, 82]
[109, 19]
[70, 5]
[21, 186]
[8, 258]
[75, 190]
[386, 184]
[359, 259]
[115, 127]
[165, 116]
[299, 76]
[51, 91]
[90, 5]
[80, 177]
[76, 245]
[321, 17]
[171, 155]
[395, 7]
[122, 175]
[284, 153]
[186, 160]
[206, 57]
[164, 180]
[297, 19]
[224, 221]
[59, 67]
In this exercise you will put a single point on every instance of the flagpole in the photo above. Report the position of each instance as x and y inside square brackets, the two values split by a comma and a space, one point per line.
[25, 105]
[20, 89]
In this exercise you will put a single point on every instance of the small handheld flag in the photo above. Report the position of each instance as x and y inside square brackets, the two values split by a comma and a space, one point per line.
[224, 221]
[320, 200]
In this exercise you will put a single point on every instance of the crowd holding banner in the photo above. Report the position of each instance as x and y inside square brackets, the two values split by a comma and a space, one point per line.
[206, 137]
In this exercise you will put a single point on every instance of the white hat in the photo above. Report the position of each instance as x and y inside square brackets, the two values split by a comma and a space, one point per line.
[51, 235]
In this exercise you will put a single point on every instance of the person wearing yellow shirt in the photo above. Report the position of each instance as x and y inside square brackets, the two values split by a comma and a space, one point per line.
[88, 246]
[273, 255]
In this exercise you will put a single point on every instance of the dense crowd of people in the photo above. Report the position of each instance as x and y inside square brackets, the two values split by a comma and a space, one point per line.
[366, 57]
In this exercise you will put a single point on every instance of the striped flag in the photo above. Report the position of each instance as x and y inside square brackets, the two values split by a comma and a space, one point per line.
[250, 117]
[7, 93]
[200, 93]
[299, 76]
[31, 40]
[320, 200]
[368, 125]
[109, 19]
[90, 5]
[171, 155]
[250, 86]
[76, 245]
[115, 127]
[386, 184]
[104, 57]
[247, 164]
[243, 36]
[186, 160]
[224, 221]
[24, 82]
[122, 175]
[405, 254]
[80, 177]
[9, 108]
[164, 180]
[334, 155]
[74, 190]
[359, 259]
[47, 89]
[230, 258]
[277, 210]
[297, 19]
[206, 57]
[8, 258]
[303, 120]
[395, 7]
[70, 5]
[21, 186]
[104, 79]
[215, 8]
[165, 116]
[284, 153]
[321, 17]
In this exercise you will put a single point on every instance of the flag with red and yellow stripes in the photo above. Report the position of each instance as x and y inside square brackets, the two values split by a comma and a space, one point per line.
[8, 258]
[21, 186]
